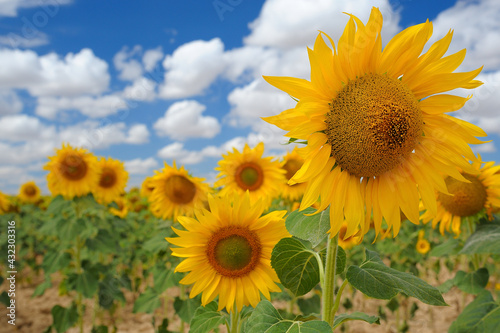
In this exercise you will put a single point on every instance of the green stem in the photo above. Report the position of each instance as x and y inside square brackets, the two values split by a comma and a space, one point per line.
[337, 299]
[329, 283]
[235, 321]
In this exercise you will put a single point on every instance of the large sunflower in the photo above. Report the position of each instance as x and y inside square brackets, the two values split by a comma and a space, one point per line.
[228, 251]
[72, 172]
[112, 180]
[29, 192]
[377, 136]
[292, 162]
[480, 194]
[249, 171]
[176, 192]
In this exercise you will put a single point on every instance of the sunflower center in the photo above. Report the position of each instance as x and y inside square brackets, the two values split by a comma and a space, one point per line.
[108, 178]
[73, 167]
[291, 167]
[468, 199]
[30, 191]
[234, 251]
[249, 176]
[179, 189]
[373, 125]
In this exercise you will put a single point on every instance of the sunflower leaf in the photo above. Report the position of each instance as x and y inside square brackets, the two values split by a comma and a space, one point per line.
[374, 279]
[64, 318]
[266, 319]
[486, 240]
[481, 315]
[185, 309]
[295, 265]
[312, 228]
[206, 319]
[147, 302]
[339, 320]
[473, 282]
[450, 247]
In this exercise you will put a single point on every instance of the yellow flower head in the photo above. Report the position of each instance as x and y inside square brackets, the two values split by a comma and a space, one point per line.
[292, 162]
[348, 242]
[112, 180]
[249, 171]
[374, 120]
[147, 187]
[72, 172]
[176, 192]
[423, 246]
[227, 251]
[4, 203]
[480, 192]
[122, 209]
[29, 192]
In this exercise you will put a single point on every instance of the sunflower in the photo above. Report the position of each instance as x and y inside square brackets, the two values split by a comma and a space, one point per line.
[122, 209]
[4, 203]
[249, 171]
[375, 125]
[480, 194]
[147, 187]
[29, 192]
[176, 192]
[72, 172]
[292, 162]
[348, 242]
[112, 180]
[227, 251]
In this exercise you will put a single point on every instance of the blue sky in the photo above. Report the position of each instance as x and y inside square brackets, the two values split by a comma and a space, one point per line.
[153, 81]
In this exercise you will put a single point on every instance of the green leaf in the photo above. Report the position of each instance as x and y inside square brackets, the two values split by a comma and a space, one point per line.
[55, 261]
[110, 290]
[481, 315]
[296, 266]
[40, 289]
[341, 261]
[486, 240]
[446, 286]
[473, 282]
[57, 205]
[99, 329]
[206, 319]
[164, 278]
[266, 319]
[156, 243]
[104, 242]
[163, 328]
[5, 299]
[310, 228]
[450, 247]
[339, 320]
[310, 305]
[186, 308]
[64, 318]
[86, 283]
[147, 302]
[376, 280]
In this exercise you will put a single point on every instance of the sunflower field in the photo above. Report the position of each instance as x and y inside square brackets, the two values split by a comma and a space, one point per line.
[380, 218]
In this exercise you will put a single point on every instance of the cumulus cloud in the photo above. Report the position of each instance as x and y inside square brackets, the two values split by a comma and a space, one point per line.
[10, 102]
[14, 40]
[93, 107]
[151, 58]
[140, 166]
[142, 89]
[281, 25]
[184, 120]
[137, 134]
[51, 75]
[46, 8]
[130, 69]
[479, 35]
[192, 68]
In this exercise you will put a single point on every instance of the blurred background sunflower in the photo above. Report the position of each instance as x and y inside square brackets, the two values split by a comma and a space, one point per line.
[29, 192]
[112, 180]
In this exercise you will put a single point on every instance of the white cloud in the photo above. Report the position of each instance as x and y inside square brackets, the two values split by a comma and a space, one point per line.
[49, 75]
[130, 69]
[283, 25]
[93, 107]
[138, 134]
[488, 147]
[14, 40]
[176, 151]
[140, 166]
[151, 58]
[476, 28]
[10, 102]
[46, 8]
[142, 89]
[21, 127]
[192, 68]
[184, 120]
